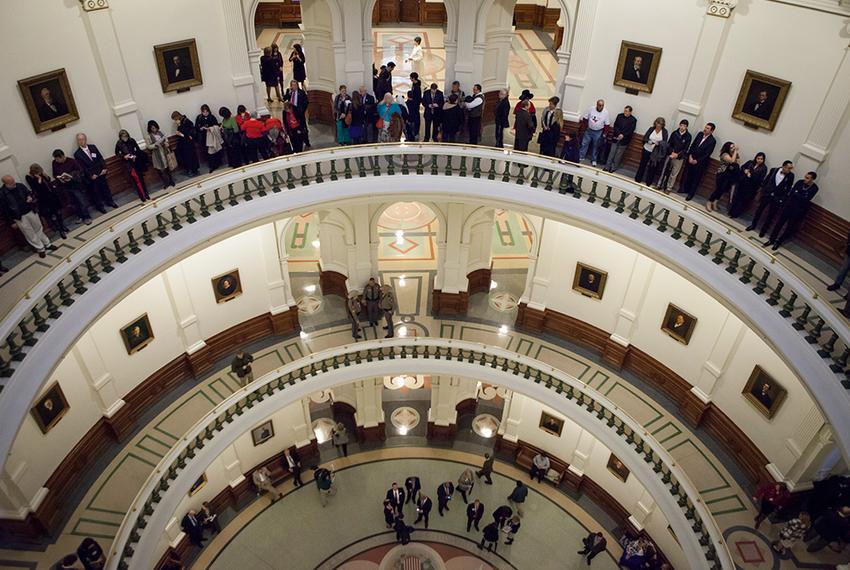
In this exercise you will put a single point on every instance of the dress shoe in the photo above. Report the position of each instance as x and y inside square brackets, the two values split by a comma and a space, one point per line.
[42, 254]
[775, 246]
[102, 210]
[63, 235]
[113, 205]
[833, 287]
[388, 336]
[689, 198]
[358, 337]
[52, 247]
[750, 228]
[768, 243]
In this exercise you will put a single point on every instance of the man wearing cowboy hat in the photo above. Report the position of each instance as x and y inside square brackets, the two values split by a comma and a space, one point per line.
[387, 305]
[527, 95]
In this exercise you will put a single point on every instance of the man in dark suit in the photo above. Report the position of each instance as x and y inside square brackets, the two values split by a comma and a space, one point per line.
[396, 497]
[370, 108]
[444, 495]
[423, 508]
[635, 71]
[413, 486]
[433, 101]
[697, 159]
[298, 99]
[474, 512]
[192, 527]
[799, 200]
[93, 165]
[48, 107]
[594, 543]
[760, 107]
[774, 191]
[486, 469]
[292, 463]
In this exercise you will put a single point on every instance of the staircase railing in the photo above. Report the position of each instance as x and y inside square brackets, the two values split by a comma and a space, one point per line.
[135, 545]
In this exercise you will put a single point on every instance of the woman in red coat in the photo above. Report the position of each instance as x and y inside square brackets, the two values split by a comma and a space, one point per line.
[770, 497]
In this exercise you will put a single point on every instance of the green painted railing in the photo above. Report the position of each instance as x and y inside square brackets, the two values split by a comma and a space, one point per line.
[704, 547]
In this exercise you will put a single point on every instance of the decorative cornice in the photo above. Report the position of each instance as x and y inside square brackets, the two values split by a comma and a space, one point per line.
[721, 8]
[94, 5]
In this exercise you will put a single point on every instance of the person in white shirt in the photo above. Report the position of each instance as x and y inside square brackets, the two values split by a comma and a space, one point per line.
[262, 479]
[539, 467]
[597, 121]
[416, 57]
[474, 108]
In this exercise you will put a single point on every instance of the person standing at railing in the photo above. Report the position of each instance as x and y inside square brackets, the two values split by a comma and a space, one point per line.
[413, 121]
[727, 174]
[523, 126]
[551, 123]
[353, 308]
[372, 297]
[433, 101]
[241, 366]
[677, 147]
[93, 164]
[773, 194]
[622, 131]
[503, 111]
[19, 206]
[475, 108]
[452, 119]
[162, 157]
[187, 153]
[792, 216]
[652, 152]
[596, 121]
[299, 102]
[843, 270]
[387, 304]
[135, 161]
[69, 176]
[749, 181]
[697, 159]
[48, 198]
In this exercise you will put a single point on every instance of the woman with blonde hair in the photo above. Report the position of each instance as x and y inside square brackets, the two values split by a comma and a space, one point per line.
[653, 151]
[340, 438]
[552, 122]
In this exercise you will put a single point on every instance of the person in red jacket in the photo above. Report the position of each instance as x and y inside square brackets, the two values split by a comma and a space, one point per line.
[255, 139]
[770, 497]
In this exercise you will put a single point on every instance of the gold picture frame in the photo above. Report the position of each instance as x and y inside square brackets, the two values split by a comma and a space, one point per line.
[637, 66]
[49, 100]
[678, 324]
[551, 424]
[137, 334]
[760, 100]
[262, 433]
[178, 65]
[764, 392]
[618, 468]
[589, 281]
[50, 408]
[198, 485]
[227, 286]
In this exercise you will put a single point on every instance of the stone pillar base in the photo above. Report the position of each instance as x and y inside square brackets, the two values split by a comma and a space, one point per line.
[614, 353]
[530, 319]
[367, 434]
[441, 433]
[693, 409]
[449, 304]
[333, 283]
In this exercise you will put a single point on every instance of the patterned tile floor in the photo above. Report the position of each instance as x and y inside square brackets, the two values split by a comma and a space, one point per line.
[100, 511]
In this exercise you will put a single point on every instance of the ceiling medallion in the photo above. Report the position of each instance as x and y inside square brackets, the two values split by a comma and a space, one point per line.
[404, 419]
[485, 425]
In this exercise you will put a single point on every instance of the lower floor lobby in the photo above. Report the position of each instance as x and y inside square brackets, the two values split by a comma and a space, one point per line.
[107, 490]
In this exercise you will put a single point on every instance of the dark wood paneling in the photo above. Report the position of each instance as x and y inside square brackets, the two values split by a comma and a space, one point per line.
[559, 37]
[138, 401]
[441, 433]
[491, 99]
[321, 109]
[285, 12]
[748, 456]
[388, 12]
[333, 283]
[549, 21]
[526, 15]
[409, 12]
[479, 281]
[467, 406]
[449, 304]
[561, 325]
[375, 433]
[825, 233]
[614, 353]
[433, 13]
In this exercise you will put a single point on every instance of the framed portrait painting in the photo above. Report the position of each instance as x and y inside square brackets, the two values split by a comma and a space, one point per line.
[765, 393]
[227, 286]
[551, 424]
[50, 408]
[637, 67]
[262, 433]
[137, 334]
[178, 65]
[589, 281]
[198, 485]
[760, 100]
[616, 467]
[678, 324]
[49, 100]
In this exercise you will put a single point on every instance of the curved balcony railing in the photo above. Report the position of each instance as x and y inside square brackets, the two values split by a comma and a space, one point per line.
[822, 337]
[697, 531]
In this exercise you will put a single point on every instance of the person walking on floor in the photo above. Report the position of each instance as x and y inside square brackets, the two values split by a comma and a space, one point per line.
[490, 537]
[474, 512]
[510, 529]
[594, 543]
[324, 483]
[19, 206]
[241, 366]
[340, 438]
[402, 530]
[769, 498]
[262, 479]
[292, 463]
[423, 509]
[502, 514]
[465, 483]
[412, 486]
[353, 308]
[517, 496]
[389, 513]
[372, 296]
[395, 496]
[843, 270]
[387, 306]
[486, 469]
[444, 495]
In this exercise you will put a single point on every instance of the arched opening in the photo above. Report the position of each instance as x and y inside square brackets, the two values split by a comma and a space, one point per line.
[513, 240]
[301, 246]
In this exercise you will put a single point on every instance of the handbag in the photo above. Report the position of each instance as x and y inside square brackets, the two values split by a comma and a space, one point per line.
[380, 124]
[347, 119]
[171, 160]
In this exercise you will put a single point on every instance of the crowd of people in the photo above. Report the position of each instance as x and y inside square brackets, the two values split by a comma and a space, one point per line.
[375, 302]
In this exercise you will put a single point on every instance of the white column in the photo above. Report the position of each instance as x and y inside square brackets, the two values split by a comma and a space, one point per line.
[816, 148]
[642, 508]
[353, 62]
[511, 414]
[6, 157]
[240, 70]
[303, 432]
[575, 78]
[721, 354]
[705, 58]
[177, 290]
[467, 55]
[13, 502]
[259, 91]
[808, 466]
[104, 40]
[633, 300]
[584, 447]
[276, 264]
[368, 394]
[334, 250]
[563, 58]
[444, 398]
[365, 260]
[97, 376]
[539, 275]
[454, 279]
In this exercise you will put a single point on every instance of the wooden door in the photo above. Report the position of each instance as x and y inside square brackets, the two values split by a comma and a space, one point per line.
[388, 12]
[410, 11]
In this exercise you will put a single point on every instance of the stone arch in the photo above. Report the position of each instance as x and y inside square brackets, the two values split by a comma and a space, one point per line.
[484, 10]
[376, 215]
